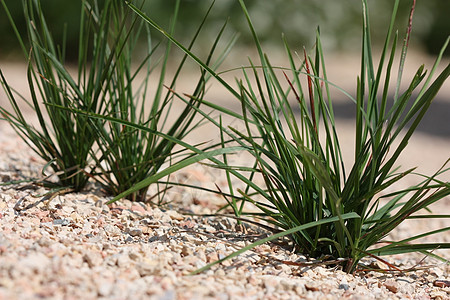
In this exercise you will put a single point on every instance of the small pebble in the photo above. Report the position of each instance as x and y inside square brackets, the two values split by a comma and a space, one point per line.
[391, 285]
[135, 232]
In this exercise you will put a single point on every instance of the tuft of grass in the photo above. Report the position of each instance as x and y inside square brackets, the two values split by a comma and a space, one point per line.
[308, 193]
[65, 140]
[127, 155]
[301, 161]
[87, 134]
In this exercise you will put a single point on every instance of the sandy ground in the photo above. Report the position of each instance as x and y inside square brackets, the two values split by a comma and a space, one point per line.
[129, 250]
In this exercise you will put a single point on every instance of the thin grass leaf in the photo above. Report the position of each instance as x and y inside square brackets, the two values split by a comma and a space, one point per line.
[274, 237]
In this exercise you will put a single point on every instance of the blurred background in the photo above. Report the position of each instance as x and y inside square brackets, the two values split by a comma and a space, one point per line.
[297, 19]
[339, 21]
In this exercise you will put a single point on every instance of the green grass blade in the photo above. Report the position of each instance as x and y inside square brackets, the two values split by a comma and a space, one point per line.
[274, 237]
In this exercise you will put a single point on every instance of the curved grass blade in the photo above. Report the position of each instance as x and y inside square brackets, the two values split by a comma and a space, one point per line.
[276, 236]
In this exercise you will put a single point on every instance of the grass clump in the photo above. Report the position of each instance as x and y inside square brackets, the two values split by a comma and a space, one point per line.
[301, 160]
[64, 140]
[128, 155]
[81, 132]
[309, 195]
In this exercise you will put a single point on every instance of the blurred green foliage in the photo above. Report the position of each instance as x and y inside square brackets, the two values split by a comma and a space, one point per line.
[339, 21]
[59, 15]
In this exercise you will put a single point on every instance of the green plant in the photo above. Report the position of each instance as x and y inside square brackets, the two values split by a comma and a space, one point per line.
[108, 87]
[62, 139]
[308, 194]
[132, 138]
[127, 155]
[304, 173]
